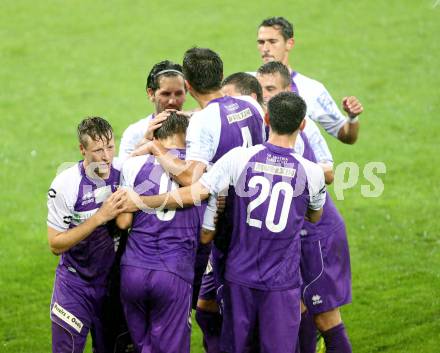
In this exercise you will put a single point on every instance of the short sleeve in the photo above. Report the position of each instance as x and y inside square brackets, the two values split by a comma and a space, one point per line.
[317, 143]
[132, 136]
[201, 142]
[221, 174]
[60, 209]
[316, 185]
[130, 170]
[325, 112]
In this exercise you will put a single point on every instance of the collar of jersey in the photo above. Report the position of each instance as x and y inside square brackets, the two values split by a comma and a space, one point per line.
[215, 100]
[278, 149]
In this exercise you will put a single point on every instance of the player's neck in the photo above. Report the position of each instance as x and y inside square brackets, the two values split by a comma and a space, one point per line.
[285, 141]
[204, 99]
[174, 141]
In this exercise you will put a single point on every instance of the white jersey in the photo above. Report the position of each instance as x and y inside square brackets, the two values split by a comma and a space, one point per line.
[132, 136]
[73, 197]
[317, 143]
[203, 137]
[320, 105]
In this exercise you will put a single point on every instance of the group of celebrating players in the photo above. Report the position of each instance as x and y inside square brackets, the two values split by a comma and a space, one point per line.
[223, 210]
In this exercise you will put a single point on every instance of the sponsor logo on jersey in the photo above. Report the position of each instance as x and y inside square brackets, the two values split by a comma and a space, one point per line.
[87, 198]
[316, 299]
[232, 107]
[67, 317]
[274, 170]
[241, 115]
[80, 217]
[52, 193]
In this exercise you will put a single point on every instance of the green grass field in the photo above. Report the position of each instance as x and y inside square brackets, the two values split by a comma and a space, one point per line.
[63, 60]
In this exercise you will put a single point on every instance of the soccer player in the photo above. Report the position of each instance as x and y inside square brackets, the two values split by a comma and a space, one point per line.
[275, 41]
[81, 200]
[274, 189]
[243, 84]
[157, 268]
[327, 276]
[223, 123]
[246, 84]
[166, 90]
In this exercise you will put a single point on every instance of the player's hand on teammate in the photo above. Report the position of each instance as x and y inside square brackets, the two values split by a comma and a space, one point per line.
[221, 205]
[112, 207]
[352, 106]
[156, 123]
[145, 148]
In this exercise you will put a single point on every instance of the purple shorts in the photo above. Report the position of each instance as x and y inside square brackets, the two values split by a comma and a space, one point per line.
[266, 319]
[326, 272]
[76, 309]
[157, 306]
[212, 280]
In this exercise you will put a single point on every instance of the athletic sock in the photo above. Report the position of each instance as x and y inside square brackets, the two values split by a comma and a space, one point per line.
[307, 334]
[211, 325]
[336, 340]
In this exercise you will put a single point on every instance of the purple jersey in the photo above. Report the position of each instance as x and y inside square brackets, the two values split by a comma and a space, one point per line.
[72, 199]
[331, 219]
[225, 123]
[273, 189]
[164, 240]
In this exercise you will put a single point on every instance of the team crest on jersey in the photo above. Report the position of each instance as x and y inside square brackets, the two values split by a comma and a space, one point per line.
[316, 299]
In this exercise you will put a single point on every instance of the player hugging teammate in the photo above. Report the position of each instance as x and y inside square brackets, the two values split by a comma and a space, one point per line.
[273, 277]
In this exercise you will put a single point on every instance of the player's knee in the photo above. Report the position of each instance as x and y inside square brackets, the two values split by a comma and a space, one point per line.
[327, 320]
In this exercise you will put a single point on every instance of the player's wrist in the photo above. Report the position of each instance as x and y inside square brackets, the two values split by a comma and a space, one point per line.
[353, 119]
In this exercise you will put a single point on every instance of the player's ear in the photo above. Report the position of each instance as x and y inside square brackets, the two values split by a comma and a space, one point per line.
[290, 43]
[302, 125]
[82, 149]
[266, 119]
[187, 85]
[150, 94]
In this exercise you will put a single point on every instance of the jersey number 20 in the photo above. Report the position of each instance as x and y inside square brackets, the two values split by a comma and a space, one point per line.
[273, 203]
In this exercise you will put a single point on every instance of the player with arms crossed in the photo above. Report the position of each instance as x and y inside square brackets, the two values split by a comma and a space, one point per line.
[81, 200]
[327, 276]
[275, 41]
[166, 90]
[222, 124]
[274, 190]
[157, 268]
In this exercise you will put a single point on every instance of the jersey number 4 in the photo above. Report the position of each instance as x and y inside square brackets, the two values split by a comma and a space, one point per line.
[247, 137]
[273, 203]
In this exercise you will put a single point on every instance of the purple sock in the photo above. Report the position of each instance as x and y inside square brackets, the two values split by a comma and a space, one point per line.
[211, 325]
[307, 334]
[336, 340]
